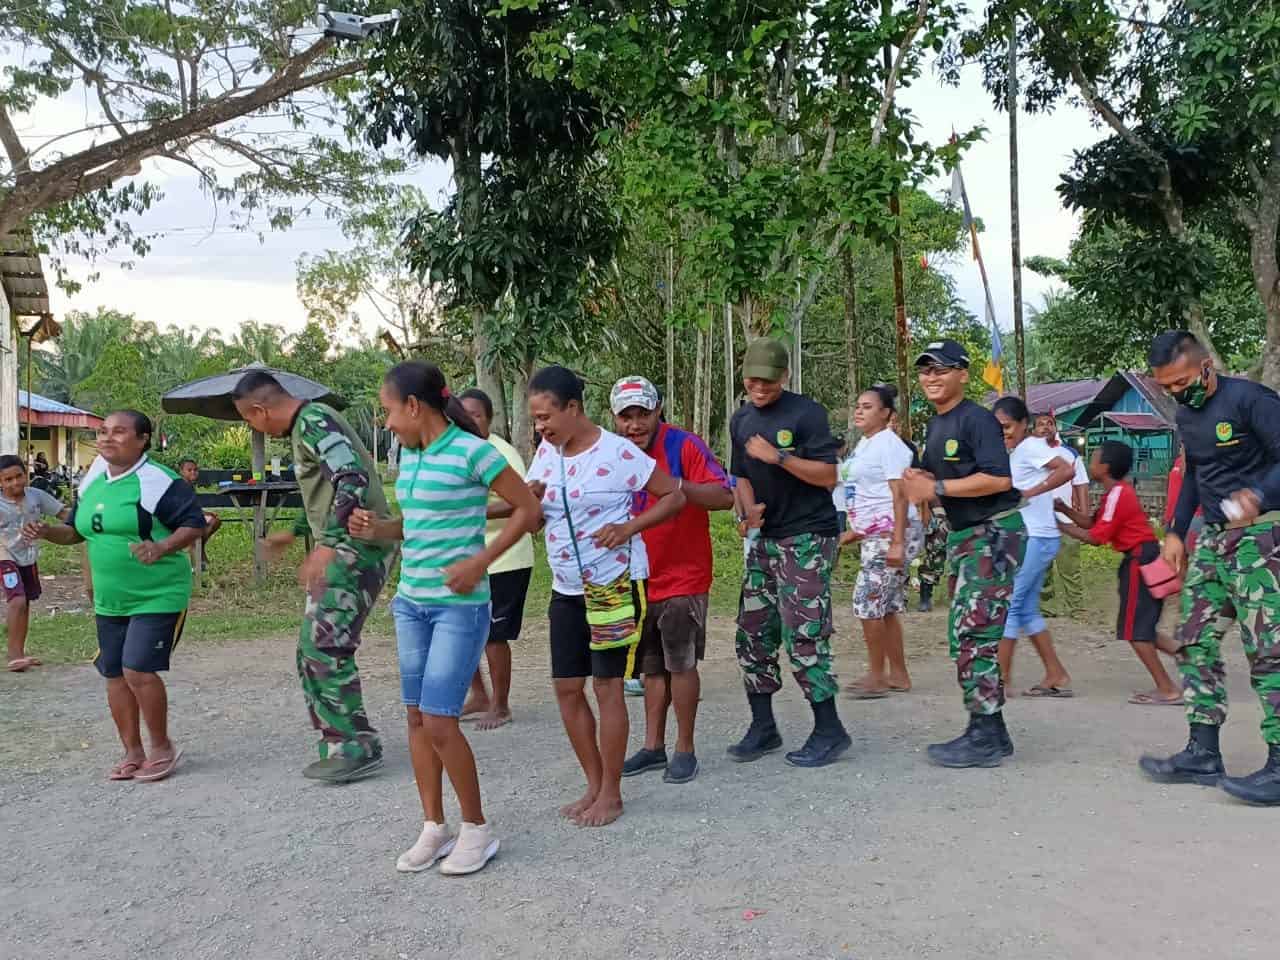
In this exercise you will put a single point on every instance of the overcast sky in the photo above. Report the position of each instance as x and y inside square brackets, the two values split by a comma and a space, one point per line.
[209, 275]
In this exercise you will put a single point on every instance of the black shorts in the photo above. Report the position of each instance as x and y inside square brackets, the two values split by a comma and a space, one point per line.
[141, 643]
[1139, 613]
[571, 653]
[507, 592]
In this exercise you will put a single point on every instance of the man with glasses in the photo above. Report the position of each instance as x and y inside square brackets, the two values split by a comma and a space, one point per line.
[966, 468]
[1230, 430]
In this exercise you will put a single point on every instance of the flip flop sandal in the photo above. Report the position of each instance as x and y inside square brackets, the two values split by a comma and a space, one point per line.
[154, 770]
[124, 770]
[1049, 693]
[22, 663]
[1146, 700]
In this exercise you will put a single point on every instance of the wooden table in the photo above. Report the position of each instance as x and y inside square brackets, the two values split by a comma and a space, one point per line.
[266, 500]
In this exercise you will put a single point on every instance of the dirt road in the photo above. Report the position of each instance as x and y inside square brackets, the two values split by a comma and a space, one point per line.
[1064, 852]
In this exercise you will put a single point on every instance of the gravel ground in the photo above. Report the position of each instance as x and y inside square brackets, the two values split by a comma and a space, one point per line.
[1062, 852]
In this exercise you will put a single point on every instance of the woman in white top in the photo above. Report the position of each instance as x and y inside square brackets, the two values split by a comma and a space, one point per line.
[1037, 471]
[889, 530]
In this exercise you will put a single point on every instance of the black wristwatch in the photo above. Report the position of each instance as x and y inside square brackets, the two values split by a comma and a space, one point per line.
[938, 489]
[783, 455]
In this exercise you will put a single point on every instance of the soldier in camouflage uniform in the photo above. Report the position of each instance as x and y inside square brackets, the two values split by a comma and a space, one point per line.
[784, 459]
[1230, 429]
[342, 576]
[933, 562]
[967, 471]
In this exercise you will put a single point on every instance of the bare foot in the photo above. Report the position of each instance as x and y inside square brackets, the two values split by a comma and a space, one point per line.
[899, 684]
[1056, 683]
[601, 813]
[868, 681]
[474, 705]
[571, 811]
[494, 719]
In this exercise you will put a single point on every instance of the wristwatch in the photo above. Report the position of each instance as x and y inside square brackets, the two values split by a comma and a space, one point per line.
[938, 489]
[782, 457]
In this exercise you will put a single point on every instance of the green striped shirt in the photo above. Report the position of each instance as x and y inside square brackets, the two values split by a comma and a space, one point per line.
[443, 493]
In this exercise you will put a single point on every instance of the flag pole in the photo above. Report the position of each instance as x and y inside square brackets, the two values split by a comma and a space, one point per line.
[1015, 226]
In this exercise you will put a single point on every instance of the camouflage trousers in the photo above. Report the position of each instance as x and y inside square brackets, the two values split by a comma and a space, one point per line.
[983, 561]
[786, 600]
[1065, 577]
[933, 560]
[1233, 575]
[331, 624]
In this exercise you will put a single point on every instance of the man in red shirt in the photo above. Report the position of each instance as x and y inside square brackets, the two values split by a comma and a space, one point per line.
[1121, 522]
[674, 636]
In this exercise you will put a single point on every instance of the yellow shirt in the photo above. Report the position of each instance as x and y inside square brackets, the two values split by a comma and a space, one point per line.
[519, 557]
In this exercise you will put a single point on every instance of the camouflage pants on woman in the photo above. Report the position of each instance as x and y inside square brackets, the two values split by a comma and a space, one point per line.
[331, 624]
[786, 600]
[1233, 575]
[983, 561]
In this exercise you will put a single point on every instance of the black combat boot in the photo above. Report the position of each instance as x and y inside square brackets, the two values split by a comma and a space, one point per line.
[1262, 787]
[926, 598]
[762, 736]
[1200, 762]
[1006, 741]
[980, 745]
[827, 741]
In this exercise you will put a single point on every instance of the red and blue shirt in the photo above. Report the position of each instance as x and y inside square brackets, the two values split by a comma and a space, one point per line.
[680, 549]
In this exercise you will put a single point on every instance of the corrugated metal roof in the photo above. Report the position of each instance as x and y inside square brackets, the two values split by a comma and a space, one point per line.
[1057, 397]
[45, 405]
[1136, 421]
[22, 276]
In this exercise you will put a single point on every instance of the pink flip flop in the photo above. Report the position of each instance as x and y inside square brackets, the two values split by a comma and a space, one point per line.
[124, 770]
[154, 770]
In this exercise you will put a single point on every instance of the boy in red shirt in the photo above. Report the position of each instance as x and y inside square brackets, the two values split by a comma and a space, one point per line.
[1121, 523]
[674, 635]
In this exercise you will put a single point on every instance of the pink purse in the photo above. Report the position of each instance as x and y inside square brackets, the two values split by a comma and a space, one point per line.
[1160, 579]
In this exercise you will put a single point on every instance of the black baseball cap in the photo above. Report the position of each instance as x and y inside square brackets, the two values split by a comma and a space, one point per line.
[947, 353]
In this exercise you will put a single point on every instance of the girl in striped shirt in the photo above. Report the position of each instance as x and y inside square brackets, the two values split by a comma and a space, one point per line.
[441, 609]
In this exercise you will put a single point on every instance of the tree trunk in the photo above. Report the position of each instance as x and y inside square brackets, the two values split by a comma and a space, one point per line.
[708, 379]
[521, 422]
[670, 394]
[699, 371]
[850, 335]
[1264, 225]
[489, 373]
[902, 336]
[730, 393]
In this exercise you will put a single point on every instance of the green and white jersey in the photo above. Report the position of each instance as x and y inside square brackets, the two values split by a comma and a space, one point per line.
[146, 502]
[443, 492]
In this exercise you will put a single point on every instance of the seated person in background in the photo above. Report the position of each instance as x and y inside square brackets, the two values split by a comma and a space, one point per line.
[189, 470]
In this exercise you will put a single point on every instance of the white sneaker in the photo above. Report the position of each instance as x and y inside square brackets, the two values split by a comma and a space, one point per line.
[476, 846]
[434, 842]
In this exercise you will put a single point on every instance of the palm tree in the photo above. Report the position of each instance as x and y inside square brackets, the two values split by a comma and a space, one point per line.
[75, 353]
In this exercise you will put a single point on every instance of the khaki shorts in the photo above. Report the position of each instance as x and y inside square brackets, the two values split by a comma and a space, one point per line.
[674, 637]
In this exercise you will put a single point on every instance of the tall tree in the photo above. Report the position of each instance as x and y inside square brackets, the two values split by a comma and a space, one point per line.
[1191, 96]
[225, 88]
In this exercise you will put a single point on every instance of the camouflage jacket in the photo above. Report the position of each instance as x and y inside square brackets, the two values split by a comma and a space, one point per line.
[336, 475]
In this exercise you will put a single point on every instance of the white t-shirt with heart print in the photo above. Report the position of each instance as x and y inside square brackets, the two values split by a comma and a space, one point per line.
[597, 486]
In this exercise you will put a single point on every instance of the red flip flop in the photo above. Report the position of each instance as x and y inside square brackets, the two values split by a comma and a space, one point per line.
[154, 770]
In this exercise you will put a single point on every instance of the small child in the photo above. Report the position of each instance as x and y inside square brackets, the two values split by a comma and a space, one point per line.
[21, 505]
[1121, 523]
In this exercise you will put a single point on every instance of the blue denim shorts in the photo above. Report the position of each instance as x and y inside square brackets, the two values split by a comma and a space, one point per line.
[440, 646]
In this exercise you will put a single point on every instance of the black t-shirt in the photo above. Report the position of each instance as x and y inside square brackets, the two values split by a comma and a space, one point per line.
[1232, 443]
[799, 426]
[965, 440]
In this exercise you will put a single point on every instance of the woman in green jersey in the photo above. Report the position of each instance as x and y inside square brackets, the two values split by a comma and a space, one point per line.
[138, 519]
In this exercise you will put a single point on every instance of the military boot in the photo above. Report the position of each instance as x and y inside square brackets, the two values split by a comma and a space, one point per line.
[827, 742]
[1262, 787]
[980, 745]
[762, 736]
[1200, 762]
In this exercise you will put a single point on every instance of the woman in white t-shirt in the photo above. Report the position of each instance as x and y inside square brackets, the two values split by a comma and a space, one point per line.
[888, 528]
[1037, 471]
[586, 478]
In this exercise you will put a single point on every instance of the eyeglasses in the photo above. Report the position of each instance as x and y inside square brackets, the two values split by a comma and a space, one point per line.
[935, 370]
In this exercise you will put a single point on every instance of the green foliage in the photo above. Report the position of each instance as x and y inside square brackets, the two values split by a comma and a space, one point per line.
[223, 88]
